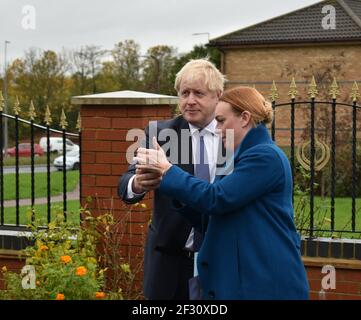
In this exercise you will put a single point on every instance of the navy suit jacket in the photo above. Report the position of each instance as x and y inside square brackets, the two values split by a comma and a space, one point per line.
[251, 248]
[169, 230]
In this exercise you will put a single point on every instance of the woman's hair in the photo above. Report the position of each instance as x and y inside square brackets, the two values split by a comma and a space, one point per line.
[249, 99]
[201, 69]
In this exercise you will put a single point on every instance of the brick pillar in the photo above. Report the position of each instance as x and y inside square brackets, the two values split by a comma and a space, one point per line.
[106, 119]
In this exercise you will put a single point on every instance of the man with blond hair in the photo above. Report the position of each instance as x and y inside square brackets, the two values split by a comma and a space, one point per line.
[171, 239]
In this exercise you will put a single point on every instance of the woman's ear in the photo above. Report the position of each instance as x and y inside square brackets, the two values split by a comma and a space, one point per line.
[245, 119]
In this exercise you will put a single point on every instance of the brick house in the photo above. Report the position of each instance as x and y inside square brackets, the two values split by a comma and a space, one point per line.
[323, 37]
[322, 40]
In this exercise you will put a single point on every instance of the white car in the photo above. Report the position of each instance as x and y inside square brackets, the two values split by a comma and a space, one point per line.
[71, 162]
[56, 144]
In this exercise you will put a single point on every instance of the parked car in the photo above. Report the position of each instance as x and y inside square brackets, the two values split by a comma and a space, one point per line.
[25, 150]
[56, 145]
[71, 162]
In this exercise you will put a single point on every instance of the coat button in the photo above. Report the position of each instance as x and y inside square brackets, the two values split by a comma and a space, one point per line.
[211, 294]
[204, 264]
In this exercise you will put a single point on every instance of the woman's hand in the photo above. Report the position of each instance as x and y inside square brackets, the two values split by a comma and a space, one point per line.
[152, 160]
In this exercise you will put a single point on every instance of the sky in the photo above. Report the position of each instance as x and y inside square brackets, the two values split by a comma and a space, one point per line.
[70, 24]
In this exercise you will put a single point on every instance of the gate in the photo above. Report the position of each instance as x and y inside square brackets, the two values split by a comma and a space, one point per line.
[320, 158]
[47, 131]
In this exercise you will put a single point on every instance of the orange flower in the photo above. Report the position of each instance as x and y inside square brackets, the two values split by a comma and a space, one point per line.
[65, 259]
[60, 296]
[44, 248]
[99, 295]
[81, 271]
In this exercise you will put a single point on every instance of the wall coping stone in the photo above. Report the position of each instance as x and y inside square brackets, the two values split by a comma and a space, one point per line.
[337, 263]
[125, 97]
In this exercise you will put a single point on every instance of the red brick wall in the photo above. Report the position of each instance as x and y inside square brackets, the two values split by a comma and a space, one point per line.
[348, 272]
[348, 279]
[104, 147]
[12, 262]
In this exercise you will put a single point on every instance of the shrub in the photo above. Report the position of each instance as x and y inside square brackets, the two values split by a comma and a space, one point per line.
[75, 263]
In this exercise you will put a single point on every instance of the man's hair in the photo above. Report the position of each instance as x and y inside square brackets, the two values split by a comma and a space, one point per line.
[201, 69]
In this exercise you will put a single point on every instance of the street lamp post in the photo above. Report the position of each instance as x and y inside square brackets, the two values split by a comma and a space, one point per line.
[202, 33]
[157, 66]
[5, 135]
[158, 71]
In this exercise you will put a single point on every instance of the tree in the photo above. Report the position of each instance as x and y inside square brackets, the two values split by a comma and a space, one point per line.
[158, 66]
[126, 65]
[41, 77]
[87, 63]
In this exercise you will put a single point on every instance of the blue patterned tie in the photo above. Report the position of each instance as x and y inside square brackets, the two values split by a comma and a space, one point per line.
[201, 172]
[202, 166]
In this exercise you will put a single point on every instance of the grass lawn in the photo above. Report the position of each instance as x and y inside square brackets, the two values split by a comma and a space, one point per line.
[322, 214]
[41, 213]
[56, 181]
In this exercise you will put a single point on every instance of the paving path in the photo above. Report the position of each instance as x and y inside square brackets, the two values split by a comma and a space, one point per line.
[73, 195]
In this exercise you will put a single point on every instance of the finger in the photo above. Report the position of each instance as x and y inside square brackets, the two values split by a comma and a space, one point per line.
[142, 151]
[148, 183]
[140, 160]
[146, 168]
[149, 175]
[156, 145]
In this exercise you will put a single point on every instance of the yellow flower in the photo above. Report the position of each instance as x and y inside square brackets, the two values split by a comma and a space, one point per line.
[38, 283]
[60, 296]
[44, 248]
[65, 259]
[143, 205]
[81, 271]
[99, 295]
[4, 269]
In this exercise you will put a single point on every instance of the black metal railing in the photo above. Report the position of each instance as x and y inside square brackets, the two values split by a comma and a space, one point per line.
[62, 134]
[329, 149]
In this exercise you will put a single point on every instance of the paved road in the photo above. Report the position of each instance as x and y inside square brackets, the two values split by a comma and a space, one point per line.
[74, 195]
[27, 169]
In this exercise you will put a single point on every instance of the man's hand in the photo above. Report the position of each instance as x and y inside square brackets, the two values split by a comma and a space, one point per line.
[152, 160]
[146, 180]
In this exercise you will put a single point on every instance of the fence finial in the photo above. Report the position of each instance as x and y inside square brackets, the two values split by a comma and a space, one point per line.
[17, 106]
[274, 92]
[293, 89]
[355, 93]
[32, 113]
[47, 118]
[78, 122]
[334, 92]
[63, 122]
[313, 92]
[2, 102]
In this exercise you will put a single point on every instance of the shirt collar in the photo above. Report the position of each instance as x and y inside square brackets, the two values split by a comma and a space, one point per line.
[211, 128]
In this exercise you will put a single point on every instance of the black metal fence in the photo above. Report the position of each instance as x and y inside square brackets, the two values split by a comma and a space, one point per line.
[317, 158]
[47, 131]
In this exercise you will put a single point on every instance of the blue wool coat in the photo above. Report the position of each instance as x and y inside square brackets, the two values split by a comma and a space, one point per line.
[251, 249]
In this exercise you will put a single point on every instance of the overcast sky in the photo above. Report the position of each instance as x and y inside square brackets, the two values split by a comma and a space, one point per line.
[73, 23]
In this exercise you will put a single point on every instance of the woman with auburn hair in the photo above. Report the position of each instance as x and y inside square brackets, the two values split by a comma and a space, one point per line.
[251, 248]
